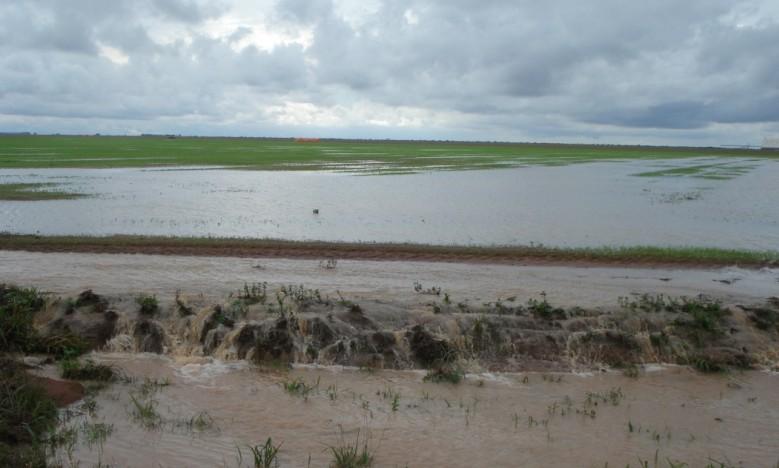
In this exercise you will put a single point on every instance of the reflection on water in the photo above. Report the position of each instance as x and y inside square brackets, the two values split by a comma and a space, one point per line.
[580, 205]
[487, 421]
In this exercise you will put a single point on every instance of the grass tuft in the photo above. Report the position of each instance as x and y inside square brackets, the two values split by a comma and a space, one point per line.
[263, 456]
[352, 455]
[89, 370]
[149, 305]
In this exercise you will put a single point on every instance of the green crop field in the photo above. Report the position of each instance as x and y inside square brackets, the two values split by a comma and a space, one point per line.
[380, 157]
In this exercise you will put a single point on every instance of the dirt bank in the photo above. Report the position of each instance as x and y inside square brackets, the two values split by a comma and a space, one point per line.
[296, 324]
[533, 255]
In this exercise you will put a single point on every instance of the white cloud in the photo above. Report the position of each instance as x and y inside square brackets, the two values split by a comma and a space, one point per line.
[113, 54]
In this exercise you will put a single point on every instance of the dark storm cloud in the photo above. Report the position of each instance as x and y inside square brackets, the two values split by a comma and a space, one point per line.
[632, 71]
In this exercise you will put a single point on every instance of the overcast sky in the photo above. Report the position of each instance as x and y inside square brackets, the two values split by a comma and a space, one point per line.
[611, 71]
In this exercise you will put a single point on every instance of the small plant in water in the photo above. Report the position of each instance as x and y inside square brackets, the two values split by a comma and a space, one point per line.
[434, 291]
[96, 433]
[356, 455]
[298, 387]
[264, 456]
[145, 413]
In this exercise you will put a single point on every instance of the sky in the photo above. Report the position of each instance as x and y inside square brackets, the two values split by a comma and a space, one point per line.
[679, 72]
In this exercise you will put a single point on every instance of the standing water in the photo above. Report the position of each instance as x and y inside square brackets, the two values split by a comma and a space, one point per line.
[205, 410]
[592, 204]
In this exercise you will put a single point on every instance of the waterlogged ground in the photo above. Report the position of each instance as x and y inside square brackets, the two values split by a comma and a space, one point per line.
[216, 277]
[373, 157]
[205, 409]
[729, 203]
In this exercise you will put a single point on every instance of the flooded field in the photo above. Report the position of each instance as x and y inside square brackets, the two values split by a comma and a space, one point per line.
[205, 410]
[731, 203]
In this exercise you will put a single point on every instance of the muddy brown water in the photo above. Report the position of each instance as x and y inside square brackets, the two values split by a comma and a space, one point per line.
[508, 420]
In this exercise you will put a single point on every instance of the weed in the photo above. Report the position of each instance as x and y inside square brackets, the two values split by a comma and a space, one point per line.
[89, 405]
[151, 386]
[542, 309]
[765, 319]
[298, 387]
[237, 309]
[62, 346]
[149, 304]
[613, 396]
[27, 416]
[451, 374]
[96, 433]
[74, 370]
[264, 456]
[707, 365]
[254, 293]
[26, 412]
[632, 371]
[200, 422]
[434, 291]
[348, 455]
[17, 307]
[145, 413]
[650, 303]
[706, 315]
[303, 296]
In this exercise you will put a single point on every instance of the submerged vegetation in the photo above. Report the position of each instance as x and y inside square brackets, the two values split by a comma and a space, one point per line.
[286, 154]
[352, 455]
[263, 456]
[261, 153]
[34, 192]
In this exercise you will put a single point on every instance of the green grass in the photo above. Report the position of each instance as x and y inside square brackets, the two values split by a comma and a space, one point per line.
[27, 416]
[34, 192]
[241, 247]
[144, 412]
[298, 387]
[384, 157]
[445, 374]
[18, 307]
[148, 305]
[73, 369]
[352, 455]
[263, 456]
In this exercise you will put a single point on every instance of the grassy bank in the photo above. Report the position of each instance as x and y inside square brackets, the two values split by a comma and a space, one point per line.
[354, 156]
[33, 192]
[234, 247]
